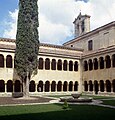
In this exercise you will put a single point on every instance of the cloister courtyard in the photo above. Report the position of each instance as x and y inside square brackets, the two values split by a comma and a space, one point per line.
[48, 107]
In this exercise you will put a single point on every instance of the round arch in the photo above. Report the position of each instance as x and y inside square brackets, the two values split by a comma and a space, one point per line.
[9, 61]
[85, 86]
[53, 86]
[47, 86]
[1, 60]
[59, 86]
[40, 86]
[17, 86]
[108, 86]
[113, 83]
[90, 86]
[96, 86]
[9, 86]
[65, 86]
[70, 86]
[101, 85]
[32, 86]
[76, 86]
[2, 86]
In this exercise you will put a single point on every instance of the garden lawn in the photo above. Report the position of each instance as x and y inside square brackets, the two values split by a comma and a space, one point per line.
[55, 112]
[109, 102]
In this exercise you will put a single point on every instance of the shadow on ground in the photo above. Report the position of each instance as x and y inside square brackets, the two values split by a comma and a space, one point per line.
[74, 112]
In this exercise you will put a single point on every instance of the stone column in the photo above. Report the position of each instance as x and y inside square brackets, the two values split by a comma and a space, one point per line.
[105, 89]
[36, 85]
[4, 61]
[5, 87]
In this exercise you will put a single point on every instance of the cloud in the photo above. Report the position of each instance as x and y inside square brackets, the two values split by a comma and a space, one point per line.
[56, 18]
[11, 25]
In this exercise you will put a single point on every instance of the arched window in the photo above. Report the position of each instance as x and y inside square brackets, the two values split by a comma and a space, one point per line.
[47, 86]
[59, 65]
[90, 65]
[85, 66]
[70, 65]
[101, 63]
[113, 83]
[9, 86]
[59, 86]
[40, 86]
[101, 85]
[70, 86]
[96, 86]
[17, 86]
[76, 86]
[65, 65]
[2, 86]
[108, 61]
[65, 86]
[76, 66]
[9, 61]
[113, 60]
[53, 86]
[95, 64]
[53, 64]
[32, 86]
[85, 86]
[108, 86]
[1, 60]
[47, 64]
[40, 65]
[90, 86]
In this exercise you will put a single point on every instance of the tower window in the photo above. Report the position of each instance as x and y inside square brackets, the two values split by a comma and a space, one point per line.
[90, 45]
[82, 26]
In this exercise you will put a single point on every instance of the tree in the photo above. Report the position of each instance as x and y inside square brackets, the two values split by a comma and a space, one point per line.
[27, 43]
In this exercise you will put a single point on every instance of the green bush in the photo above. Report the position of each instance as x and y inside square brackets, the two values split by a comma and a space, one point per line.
[65, 105]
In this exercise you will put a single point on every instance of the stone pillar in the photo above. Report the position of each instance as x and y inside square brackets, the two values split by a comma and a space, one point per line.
[36, 85]
[105, 89]
[4, 61]
[5, 87]
[43, 87]
[13, 86]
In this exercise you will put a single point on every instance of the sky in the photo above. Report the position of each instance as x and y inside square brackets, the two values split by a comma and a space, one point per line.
[56, 17]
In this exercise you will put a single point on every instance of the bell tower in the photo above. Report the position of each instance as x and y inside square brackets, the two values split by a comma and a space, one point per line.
[81, 25]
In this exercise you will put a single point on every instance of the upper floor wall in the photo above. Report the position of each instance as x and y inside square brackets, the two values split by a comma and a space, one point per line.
[99, 38]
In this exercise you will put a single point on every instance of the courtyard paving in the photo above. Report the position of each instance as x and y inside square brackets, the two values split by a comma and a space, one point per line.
[10, 101]
[5, 101]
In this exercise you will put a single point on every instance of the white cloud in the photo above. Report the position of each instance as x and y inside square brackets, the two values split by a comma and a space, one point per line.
[56, 17]
[11, 25]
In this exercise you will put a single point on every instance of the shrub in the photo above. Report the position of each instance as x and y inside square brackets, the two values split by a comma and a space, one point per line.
[65, 105]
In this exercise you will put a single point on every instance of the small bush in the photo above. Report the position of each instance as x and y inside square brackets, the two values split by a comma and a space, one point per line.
[65, 105]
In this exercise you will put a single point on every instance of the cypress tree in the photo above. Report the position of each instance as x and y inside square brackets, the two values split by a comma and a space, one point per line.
[27, 43]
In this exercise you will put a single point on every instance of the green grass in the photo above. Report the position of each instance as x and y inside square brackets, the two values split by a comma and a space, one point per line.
[98, 97]
[55, 112]
[109, 102]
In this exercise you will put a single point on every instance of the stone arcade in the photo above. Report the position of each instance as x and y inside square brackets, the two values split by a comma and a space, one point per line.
[83, 64]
